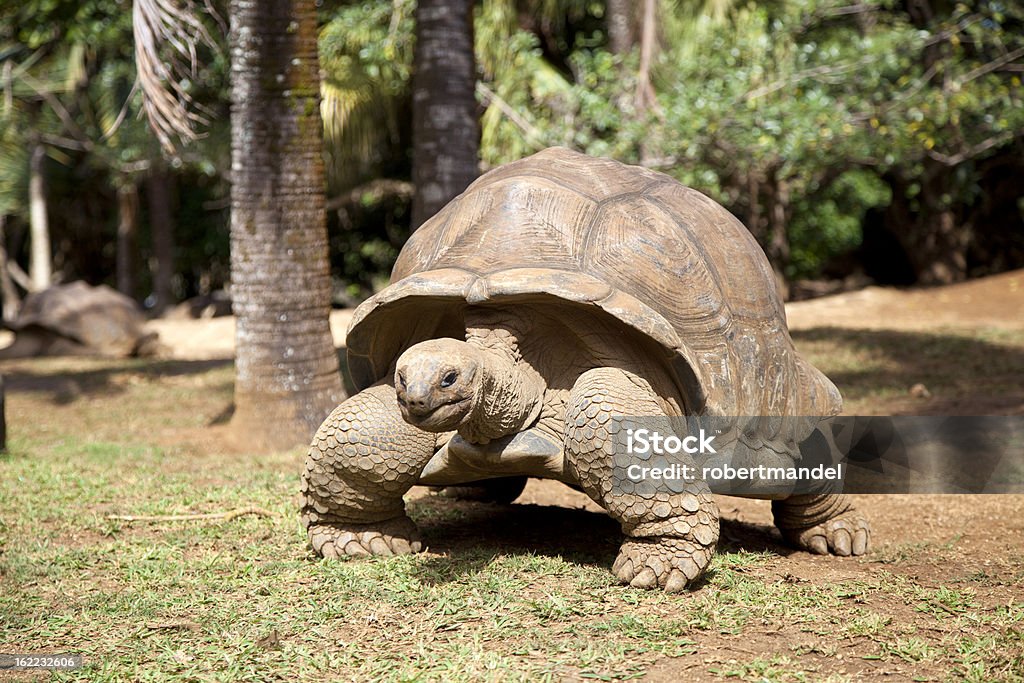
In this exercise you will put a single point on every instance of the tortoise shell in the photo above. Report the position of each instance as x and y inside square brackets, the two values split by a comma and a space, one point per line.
[99, 319]
[660, 257]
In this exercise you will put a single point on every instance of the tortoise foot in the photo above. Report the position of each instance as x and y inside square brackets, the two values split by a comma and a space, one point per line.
[661, 562]
[397, 536]
[848, 534]
[823, 524]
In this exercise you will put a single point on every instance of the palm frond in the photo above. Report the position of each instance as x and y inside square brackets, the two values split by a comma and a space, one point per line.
[366, 59]
[522, 91]
[13, 164]
[171, 111]
[355, 128]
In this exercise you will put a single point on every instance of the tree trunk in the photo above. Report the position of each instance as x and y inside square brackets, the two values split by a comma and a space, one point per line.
[39, 267]
[937, 240]
[621, 21]
[644, 99]
[778, 237]
[287, 378]
[934, 237]
[127, 237]
[446, 126]
[8, 293]
[767, 210]
[778, 241]
[159, 190]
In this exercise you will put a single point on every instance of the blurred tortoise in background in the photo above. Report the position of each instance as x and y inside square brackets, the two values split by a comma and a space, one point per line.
[78, 319]
[556, 293]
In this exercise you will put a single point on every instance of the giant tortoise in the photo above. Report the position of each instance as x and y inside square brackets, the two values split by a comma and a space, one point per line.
[555, 294]
[79, 319]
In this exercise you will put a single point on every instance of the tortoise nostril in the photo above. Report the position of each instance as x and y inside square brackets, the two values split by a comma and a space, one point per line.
[418, 407]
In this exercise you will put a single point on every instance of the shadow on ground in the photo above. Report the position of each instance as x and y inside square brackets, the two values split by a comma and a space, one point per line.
[963, 375]
[474, 533]
[94, 376]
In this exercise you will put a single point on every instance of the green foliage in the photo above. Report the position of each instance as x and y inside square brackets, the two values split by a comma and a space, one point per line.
[366, 58]
[14, 160]
[518, 86]
[366, 52]
[804, 105]
[802, 108]
[365, 245]
[799, 108]
[828, 223]
[69, 83]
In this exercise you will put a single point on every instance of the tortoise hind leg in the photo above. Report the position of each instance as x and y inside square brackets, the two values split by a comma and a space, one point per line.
[361, 462]
[823, 523]
[670, 536]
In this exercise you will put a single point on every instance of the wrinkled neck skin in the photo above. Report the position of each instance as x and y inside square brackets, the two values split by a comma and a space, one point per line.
[511, 391]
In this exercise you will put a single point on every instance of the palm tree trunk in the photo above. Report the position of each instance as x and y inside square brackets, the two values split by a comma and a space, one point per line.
[287, 378]
[39, 266]
[446, 125]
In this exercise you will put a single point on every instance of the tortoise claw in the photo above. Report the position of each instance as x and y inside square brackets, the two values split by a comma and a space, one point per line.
[397, 536]
[661, 562]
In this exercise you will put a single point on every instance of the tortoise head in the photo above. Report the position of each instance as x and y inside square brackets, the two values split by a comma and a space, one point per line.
[437, 382]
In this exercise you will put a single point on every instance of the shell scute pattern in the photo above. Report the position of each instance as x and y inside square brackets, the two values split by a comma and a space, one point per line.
[662, 258]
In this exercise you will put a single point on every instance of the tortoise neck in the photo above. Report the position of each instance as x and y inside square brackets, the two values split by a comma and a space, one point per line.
[511, 390]
[497, 330]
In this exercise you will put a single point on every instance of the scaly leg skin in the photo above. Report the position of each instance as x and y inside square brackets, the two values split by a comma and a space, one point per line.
[822, 524]
[670, 536]
[362, 460]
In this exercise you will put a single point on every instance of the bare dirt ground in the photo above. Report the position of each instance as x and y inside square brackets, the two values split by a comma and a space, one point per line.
[996, 301]
[214, 338]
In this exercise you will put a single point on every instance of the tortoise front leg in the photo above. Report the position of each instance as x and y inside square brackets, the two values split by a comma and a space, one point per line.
[363, 459]
[670, 536]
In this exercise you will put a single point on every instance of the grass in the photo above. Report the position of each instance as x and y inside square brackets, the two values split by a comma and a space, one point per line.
[514, 593]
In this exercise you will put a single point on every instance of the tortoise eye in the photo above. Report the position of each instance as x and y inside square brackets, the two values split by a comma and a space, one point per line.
[401, 379]
[449, 379]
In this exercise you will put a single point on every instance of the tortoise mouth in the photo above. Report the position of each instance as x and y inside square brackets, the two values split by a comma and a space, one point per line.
[442, 418]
